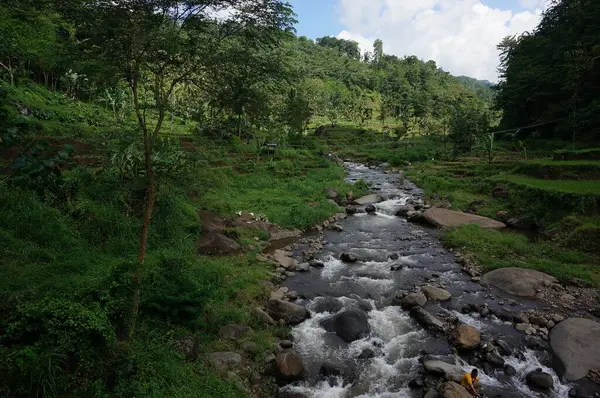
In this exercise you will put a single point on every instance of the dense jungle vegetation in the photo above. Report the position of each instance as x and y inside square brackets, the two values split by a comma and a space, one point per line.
[119, 120]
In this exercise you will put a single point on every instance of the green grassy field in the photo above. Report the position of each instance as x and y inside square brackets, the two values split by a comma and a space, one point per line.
[68, 250]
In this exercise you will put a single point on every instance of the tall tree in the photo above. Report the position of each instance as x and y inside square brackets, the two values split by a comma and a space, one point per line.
[552, 75]
[377, 51]
[154, 46]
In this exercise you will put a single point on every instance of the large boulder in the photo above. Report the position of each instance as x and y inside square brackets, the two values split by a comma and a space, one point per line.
[448, 370]
[573, 343]
[289, 365]
[440, 217]
[465, 337]
[539, 379]
[224, 361]
[518, 281]
[327, 304]
[435, 293]
[291, 313]
[233, 332]
[426, 319]
[451, 389]
[367, 200]
[349, 325]
[217, 244]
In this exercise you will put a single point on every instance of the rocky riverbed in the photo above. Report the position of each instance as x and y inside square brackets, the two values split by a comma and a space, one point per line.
[383, 310]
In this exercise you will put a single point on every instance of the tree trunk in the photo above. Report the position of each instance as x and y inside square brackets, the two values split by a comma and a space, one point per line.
[148, 209]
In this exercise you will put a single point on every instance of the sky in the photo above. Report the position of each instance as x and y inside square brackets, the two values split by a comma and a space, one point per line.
[460, 35]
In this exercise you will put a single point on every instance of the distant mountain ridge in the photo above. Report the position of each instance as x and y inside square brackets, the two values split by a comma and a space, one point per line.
[483, 88]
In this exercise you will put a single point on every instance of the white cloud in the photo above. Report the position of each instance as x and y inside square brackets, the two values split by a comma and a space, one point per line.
[460, 35]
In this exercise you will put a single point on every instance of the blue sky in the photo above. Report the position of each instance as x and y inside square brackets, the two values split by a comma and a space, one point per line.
[318, 18]
[460, 35]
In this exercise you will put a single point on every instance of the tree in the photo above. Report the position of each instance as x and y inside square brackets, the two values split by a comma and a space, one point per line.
[349, 48]
[155, 46]
[551, 76]
[377, 51]
[470, 119]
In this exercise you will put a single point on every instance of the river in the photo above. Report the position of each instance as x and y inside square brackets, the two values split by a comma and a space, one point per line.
[391, 352]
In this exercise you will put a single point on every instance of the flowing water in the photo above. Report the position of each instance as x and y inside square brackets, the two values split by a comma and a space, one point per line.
[395, 339]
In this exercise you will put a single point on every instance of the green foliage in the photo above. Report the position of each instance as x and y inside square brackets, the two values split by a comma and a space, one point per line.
[467, 123]
[494, 249]
[551, 75]
[41, 168]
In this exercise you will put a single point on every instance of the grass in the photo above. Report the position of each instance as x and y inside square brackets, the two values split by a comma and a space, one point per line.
[591, 187]
[559, 169]
[495, 249]
[67, 264]
[582, 154]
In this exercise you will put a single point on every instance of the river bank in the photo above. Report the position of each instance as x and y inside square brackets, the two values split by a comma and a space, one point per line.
[396, 260]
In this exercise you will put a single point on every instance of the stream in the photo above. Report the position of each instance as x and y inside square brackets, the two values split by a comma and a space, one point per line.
[384, 363]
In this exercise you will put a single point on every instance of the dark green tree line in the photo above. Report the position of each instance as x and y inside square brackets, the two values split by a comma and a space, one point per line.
[552, 75]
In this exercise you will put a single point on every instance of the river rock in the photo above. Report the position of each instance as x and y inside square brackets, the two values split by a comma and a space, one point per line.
[370, 209]
[435, 293]
[365, 200]
[416, 383]
[538, 320]
[327, 304]
[284, 260]
[518, 281]
[316, 264]
[427, 319]
[431, 394]
[451, 389]
[521, 223]
[574, 345]
[337, 228]
[402, 211]
[465, 337]
[494, 359]
[289, 366]
[367, 353]
[440, 217]
[233, 332]
[510, 370]
[223, 361]
[188, 346]
[263, 316]
[348, 258]
[335, 369]
[521, 318]
[448, 370]
[413, 300]
[219, 244]
[349, 325]
[303, 267]
[351, 210]
[540, 380]
[250, 347]
[332, 194]
[291, 313]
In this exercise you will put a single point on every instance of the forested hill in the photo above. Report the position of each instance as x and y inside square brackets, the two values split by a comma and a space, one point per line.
[482, 88]
[339, 83]
[152, 150]
[552, 76]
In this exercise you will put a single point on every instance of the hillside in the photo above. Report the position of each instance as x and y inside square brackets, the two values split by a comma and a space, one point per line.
[165, 173]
